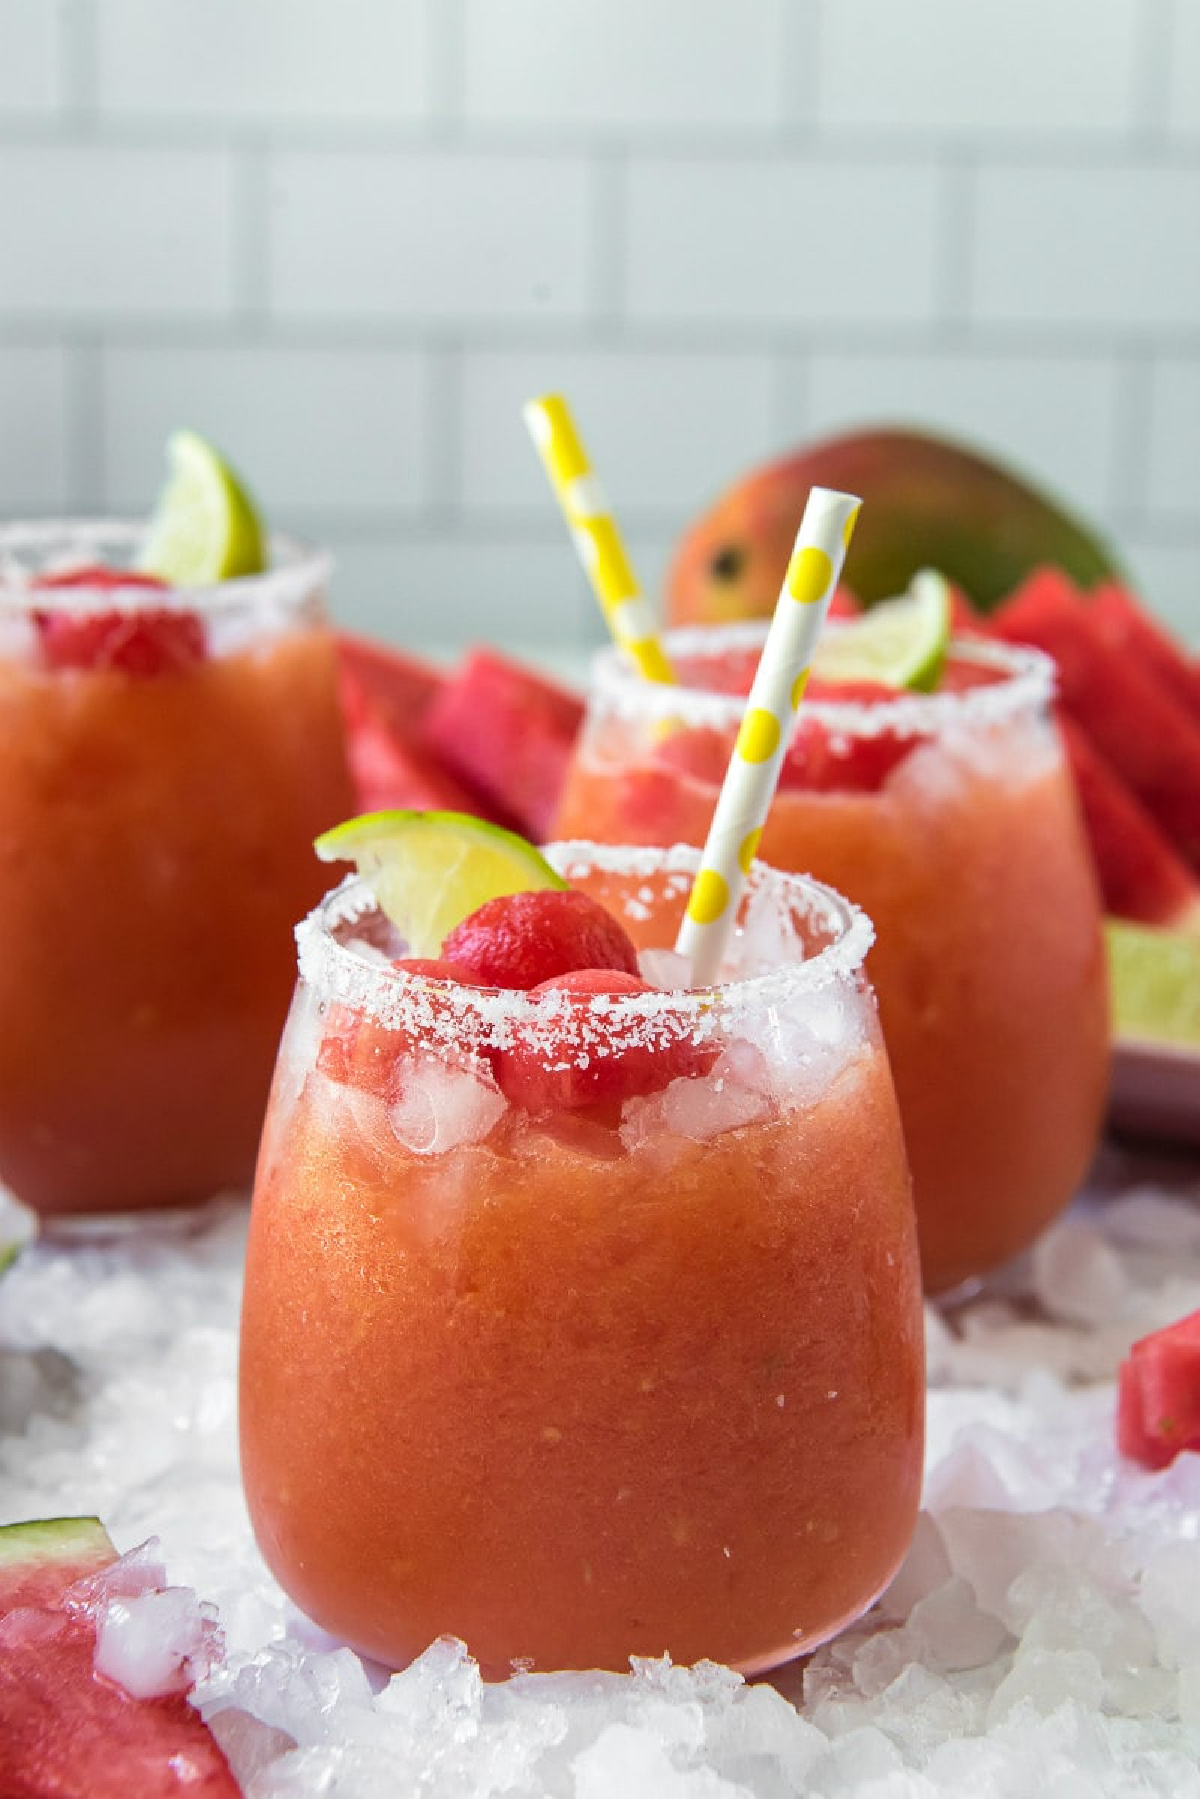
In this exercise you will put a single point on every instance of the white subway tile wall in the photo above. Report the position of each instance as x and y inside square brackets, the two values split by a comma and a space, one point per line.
[346, 241]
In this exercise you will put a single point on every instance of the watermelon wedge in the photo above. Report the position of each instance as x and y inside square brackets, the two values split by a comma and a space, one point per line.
[1131, 633]
[387, 683]
[508, 733]
[1141, 876]
[385, 695]
[1158, 1395]
[67, 1732]
[39, 1560]
[391, 768]
[1147, 736]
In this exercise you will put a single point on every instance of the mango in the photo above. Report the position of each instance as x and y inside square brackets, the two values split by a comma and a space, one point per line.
[928, 503]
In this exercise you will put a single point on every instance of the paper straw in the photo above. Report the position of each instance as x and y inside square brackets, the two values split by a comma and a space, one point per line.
[592, 525]
[762, 740]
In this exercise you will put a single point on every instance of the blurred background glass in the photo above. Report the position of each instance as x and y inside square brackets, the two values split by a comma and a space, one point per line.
[346, 240]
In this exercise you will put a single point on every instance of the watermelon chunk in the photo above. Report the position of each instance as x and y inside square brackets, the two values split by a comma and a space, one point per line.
[508, 732]
[386, 683]
[157, 642]
[554, 1081]
[389, 768]
[1147, 736]
[67, 1732]
[1140, 875]
[1130, 632]
[1158, 1395]
[823, 760]
[40, 1559]
[385, 694]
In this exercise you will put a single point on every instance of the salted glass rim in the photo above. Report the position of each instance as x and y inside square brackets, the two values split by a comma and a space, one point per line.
[453, 1014]
[1028, 685]
[298, 569]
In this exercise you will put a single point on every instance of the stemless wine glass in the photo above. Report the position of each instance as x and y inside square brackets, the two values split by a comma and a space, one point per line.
[951, 819]
[167, 757]
[585, 1327]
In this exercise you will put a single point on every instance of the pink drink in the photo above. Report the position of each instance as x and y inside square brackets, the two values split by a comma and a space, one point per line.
[638, 1376]
[156, 824]
[951, 819]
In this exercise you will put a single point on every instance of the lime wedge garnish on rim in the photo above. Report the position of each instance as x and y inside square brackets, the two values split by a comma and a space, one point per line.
[1154, 978]
[430, 870]
[898, 643]
[205, 526]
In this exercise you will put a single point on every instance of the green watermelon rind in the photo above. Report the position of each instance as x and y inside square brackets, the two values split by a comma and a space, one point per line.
[65, 1549]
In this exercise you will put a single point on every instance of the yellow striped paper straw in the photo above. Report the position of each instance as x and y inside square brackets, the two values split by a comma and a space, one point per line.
[762, 740]
[592, 525]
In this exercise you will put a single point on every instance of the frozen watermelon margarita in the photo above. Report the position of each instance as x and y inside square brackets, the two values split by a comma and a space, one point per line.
[951, 818]
[167, 755]
[583, 1320]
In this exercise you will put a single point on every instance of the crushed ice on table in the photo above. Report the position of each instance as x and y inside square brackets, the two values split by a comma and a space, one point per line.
[1043, 1633]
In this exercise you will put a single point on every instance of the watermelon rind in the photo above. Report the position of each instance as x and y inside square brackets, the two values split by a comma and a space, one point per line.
[1154, 976]
[18, 1226]
[41, 1557]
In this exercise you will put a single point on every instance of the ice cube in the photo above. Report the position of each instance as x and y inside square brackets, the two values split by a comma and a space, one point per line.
[441, 1107]
[925, 1567]
[1189, 1696]
[665, 968]
[761, 1731]
[703, 1108]
[248, 1745]
[442, 1690]
[1170, 1598]
[633, 1763]
[156, 1642]
[993, 1549]
[1077, 1276]
[1047, 1679]
[862, 1758]
[952, 1629]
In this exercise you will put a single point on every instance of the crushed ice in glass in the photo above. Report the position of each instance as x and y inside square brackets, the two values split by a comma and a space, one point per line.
[1043, 1633]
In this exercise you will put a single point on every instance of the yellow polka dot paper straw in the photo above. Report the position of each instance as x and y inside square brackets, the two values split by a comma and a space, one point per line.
[762, 740]
[597, 539]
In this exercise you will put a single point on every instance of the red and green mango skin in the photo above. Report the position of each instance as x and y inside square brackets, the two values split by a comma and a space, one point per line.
[927, 503]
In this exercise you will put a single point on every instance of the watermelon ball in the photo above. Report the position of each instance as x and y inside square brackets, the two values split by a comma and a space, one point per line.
[547, 1078]
[520, 940]
[436, 968]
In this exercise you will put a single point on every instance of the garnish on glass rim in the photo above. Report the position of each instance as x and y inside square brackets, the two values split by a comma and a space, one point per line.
[430, 870]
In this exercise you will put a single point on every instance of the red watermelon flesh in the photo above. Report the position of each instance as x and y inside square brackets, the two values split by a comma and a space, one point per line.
[508, 732]
[40, 1559]
[389, 769]
[384, 683]
[1130, 632]
[1149, 739]
[1140, 874]
[1158, 1395]
[67, 1732]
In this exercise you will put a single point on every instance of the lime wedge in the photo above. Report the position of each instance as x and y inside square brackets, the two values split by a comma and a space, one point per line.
[1154, 977]
[205, 526]
[898, 643]
[430, 870]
